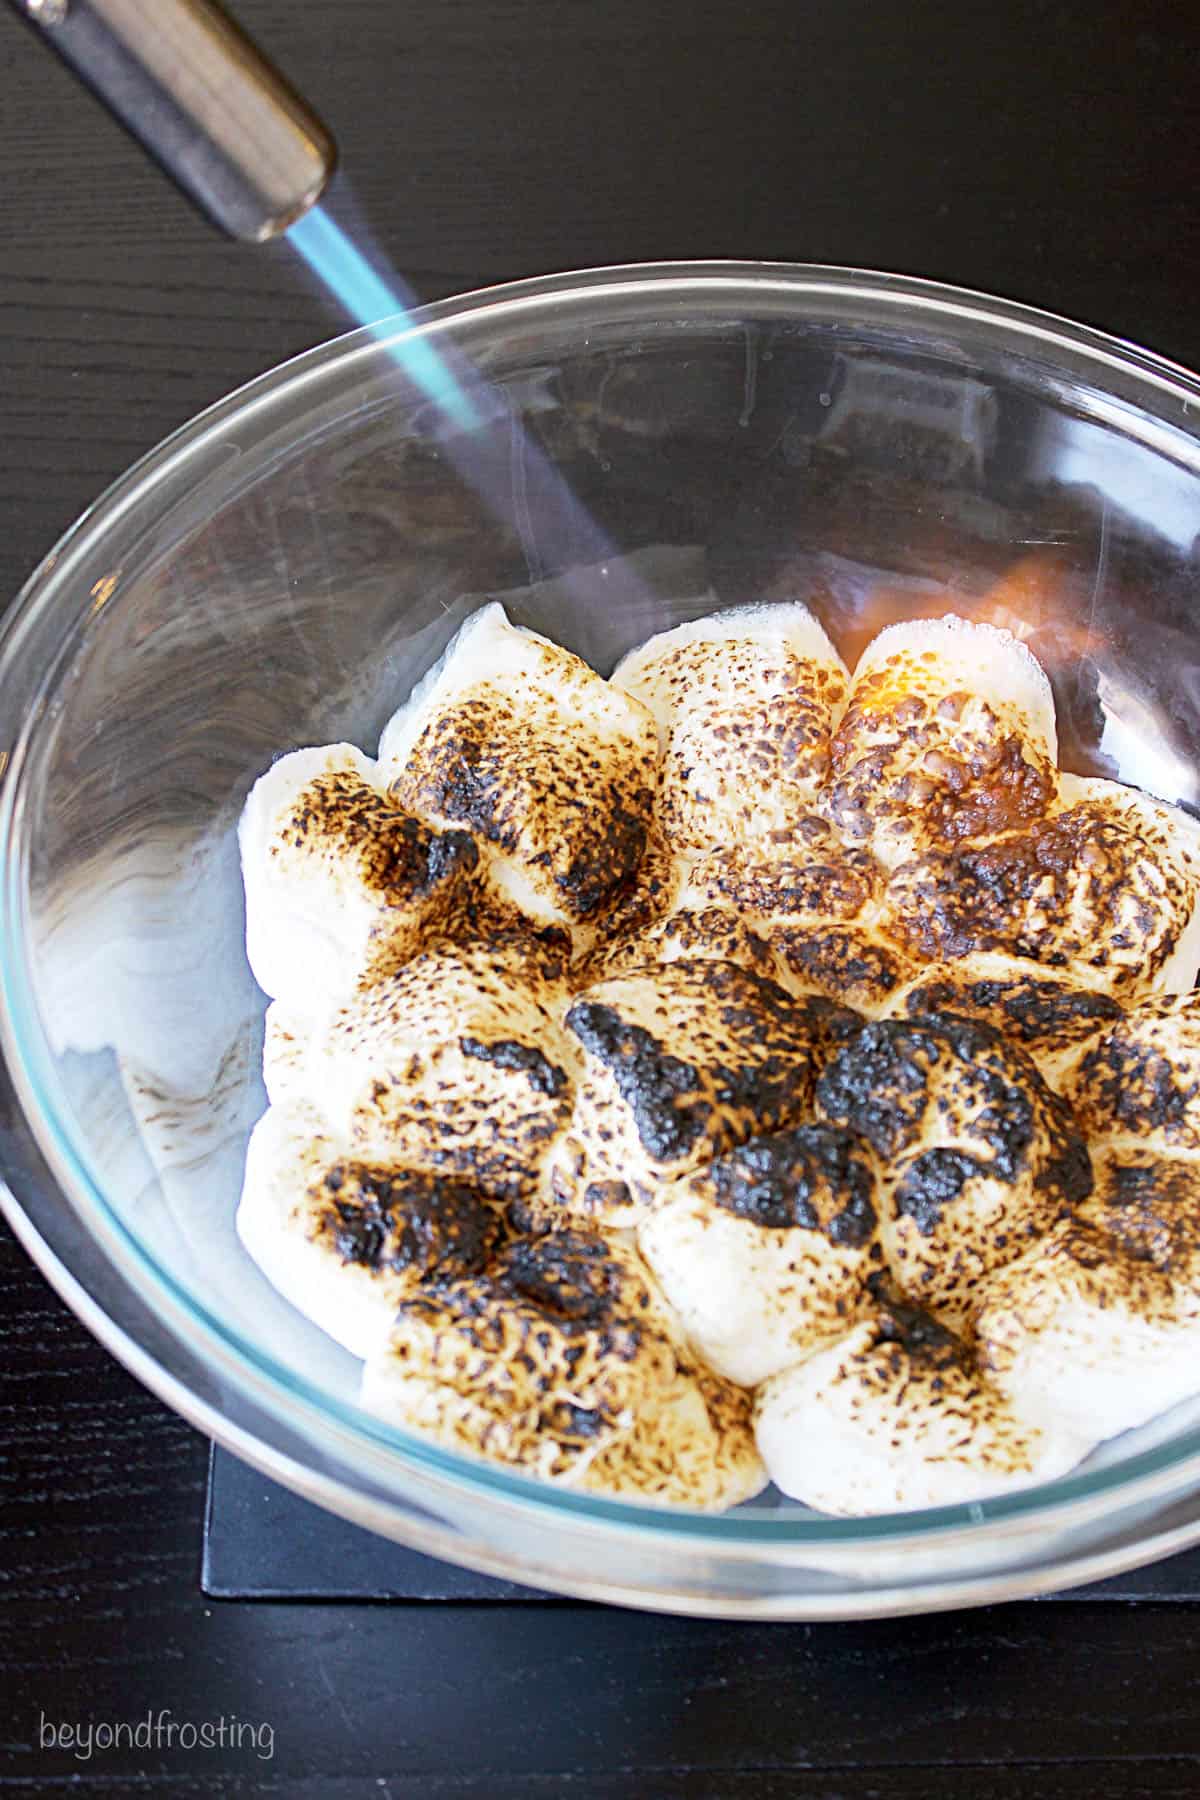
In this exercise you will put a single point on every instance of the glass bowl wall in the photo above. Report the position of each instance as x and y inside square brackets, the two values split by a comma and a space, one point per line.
[643, 445]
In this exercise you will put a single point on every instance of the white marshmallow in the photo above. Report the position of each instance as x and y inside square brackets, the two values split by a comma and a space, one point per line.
[331, 865]
[453, 1065]
[894, 1417]
[1099, 1327]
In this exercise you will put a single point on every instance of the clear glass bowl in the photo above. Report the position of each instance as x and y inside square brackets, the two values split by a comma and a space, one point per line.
[647, 443]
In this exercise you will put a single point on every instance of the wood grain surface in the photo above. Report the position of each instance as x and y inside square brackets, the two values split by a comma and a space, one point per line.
[1045, 151]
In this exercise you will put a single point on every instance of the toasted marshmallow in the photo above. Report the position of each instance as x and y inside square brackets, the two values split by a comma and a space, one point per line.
[1138, 1083]
[453, 1065]
[745, 702]
[706, 934]
[816, 903]
[335, 870]
[619, 938]
[783, 905]
[895, 1416]
[799, 873]
[855, 963]
[1099, 1326]
[344, 1242]
[680, 1063]
[1104, 892]
[1148, 1207]
[560, 1361]
[552, 768]
[767, 1251]
[665, 919]
[1049, 1017]
[948, 736]
[1170, 838]
[979, 1157]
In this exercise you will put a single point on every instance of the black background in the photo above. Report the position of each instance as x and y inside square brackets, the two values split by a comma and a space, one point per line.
[1042, 151]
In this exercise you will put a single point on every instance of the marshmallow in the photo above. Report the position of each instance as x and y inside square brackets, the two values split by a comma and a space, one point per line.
[896, 1416]
[948, 736]
[978, 1157]
[334, 869]
[345, 1242]
[680, 1063]
[768, 1250]
[745, 702]
[559, 1361]
[551, 768]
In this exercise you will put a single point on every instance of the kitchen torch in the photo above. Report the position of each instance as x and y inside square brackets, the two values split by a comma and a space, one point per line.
[203, 100]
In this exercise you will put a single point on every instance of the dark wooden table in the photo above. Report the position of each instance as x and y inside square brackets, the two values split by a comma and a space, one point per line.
[1044, 151]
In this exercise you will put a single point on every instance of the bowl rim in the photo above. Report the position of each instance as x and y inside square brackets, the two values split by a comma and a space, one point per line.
[25, 1048]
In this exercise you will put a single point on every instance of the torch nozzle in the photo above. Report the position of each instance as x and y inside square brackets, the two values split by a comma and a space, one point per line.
[203, 100]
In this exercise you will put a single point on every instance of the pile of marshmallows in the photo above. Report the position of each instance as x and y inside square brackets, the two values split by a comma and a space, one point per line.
[733, 1071]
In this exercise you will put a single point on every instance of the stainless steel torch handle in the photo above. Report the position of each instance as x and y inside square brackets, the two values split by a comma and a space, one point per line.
[206, 103]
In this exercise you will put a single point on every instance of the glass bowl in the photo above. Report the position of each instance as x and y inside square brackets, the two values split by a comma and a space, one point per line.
[627, 448]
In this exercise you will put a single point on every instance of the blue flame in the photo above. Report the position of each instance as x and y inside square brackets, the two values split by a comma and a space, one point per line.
[491, 448]
[372, 301]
